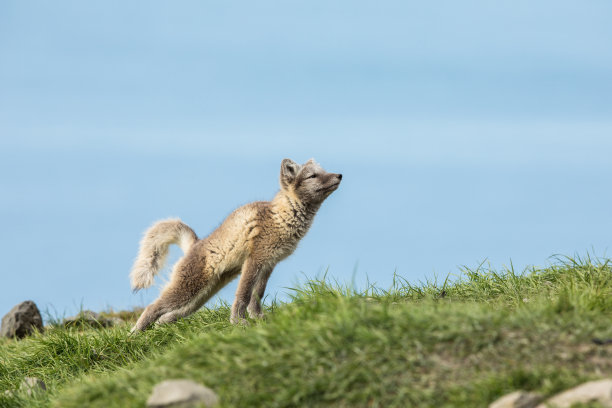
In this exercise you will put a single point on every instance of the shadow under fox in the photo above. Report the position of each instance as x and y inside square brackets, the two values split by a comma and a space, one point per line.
[250, 242]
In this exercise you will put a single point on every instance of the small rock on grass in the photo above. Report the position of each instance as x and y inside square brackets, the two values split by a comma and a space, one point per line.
[32, 385]
[22, 320]
[29, 386]
[181, 393]
[589, 392]
[517, 399]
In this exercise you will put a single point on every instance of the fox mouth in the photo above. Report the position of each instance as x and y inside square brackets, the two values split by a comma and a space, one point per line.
[330, 187]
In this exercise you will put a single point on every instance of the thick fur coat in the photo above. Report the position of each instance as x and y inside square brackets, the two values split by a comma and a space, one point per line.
[249, 242]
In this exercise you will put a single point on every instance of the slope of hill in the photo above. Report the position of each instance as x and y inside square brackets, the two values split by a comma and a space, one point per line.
[460, 344]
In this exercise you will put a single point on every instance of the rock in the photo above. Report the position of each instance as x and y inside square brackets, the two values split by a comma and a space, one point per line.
[29, 386]
[87, 317]
[517, 399]
[22, 320]
[181, 393]
[593, 391]
[32, 385]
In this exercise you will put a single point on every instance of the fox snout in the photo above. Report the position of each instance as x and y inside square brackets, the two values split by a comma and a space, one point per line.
[336, 178]
[333, 182]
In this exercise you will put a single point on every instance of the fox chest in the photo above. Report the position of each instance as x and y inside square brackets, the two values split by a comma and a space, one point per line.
[280, 243]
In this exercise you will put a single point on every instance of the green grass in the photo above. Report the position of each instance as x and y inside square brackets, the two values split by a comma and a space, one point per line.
[457, 344]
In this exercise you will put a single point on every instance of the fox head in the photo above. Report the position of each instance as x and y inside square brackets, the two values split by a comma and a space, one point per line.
[309, 182]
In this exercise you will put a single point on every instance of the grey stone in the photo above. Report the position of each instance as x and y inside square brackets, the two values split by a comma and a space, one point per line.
[517, 399]
[32, 385]
[22, 320]
[593, 391]
[29, 386]
[181, 393]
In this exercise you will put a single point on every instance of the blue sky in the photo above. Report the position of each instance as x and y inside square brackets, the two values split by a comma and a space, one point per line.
[465, 131]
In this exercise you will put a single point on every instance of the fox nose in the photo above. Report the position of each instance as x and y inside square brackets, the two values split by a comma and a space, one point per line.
[339, 176]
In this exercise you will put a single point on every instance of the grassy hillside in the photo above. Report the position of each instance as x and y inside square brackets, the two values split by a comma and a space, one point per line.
[454, 345]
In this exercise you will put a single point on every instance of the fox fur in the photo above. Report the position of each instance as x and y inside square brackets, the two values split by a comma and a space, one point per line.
[249, 242]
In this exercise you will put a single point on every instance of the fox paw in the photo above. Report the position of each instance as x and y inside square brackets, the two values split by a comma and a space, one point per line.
[239, 321]
[255, 313]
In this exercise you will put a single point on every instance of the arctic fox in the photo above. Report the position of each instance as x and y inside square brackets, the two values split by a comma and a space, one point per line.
[250, 242]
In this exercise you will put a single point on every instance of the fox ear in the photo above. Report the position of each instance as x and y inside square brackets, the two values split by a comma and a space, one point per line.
[289, 170]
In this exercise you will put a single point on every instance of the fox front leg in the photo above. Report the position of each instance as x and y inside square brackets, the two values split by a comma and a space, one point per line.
[251, 270]
[254, 308]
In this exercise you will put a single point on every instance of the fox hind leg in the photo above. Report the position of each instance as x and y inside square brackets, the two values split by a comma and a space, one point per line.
[168, 308]
[175, 314]
[191, 285]
[150, 315]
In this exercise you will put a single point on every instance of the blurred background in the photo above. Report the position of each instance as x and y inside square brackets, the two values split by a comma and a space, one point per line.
[466, 132]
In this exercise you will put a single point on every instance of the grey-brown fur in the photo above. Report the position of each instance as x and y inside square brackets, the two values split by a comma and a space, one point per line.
[250, 242]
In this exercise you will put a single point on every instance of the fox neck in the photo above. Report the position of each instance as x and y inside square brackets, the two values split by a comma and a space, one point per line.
[293, 213]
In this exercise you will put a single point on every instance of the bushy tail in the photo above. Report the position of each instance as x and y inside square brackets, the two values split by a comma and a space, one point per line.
[154, 249]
